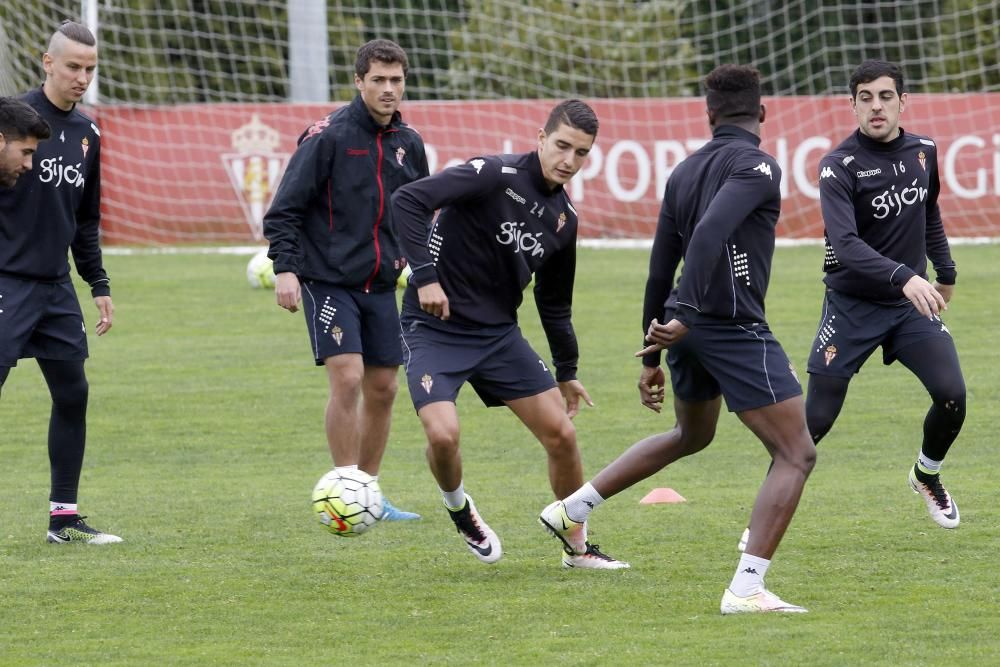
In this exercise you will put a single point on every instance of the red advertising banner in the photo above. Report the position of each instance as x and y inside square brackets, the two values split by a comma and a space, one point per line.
[206, 173]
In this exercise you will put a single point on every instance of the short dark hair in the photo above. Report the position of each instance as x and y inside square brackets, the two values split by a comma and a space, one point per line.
[575, 113]
[383, 50]
[870, 70]
[77, 32]
[18, 121]
[733, 92]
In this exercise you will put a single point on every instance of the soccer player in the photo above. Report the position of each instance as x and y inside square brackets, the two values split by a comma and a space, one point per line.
[502, 218]
[47, 214]
[719, 211]
[332, 240]
[21, 128]
[878, 192]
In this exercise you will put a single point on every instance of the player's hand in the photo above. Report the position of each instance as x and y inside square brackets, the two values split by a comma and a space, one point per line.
[661, 336]
[573, 391]
[287, 291]
[433, 300]
[927, 300]
[946, 291]
[651, 387]
[107, 311]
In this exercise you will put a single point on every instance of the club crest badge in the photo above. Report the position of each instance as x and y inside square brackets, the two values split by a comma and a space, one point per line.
[85, 146]
[337, 334]
[829, 354]
[561, 222]
[255, 170]
[427, 382]
[400, 154]
[922, 159]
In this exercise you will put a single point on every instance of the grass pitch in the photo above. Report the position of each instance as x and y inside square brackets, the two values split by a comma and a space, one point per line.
[205, 438]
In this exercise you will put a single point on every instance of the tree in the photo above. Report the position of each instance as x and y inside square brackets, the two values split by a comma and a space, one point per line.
[559, 48]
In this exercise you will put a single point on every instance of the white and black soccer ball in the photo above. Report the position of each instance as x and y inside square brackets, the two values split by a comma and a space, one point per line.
[260, 270]
[347, 502]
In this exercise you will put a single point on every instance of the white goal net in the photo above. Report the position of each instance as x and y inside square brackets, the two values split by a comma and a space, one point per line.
[198, 107]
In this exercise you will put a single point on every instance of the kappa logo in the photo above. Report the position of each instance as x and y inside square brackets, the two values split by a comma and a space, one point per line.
[869, 172]
[516, 197]
[427, 382]
[765, 169]
[827, 173]
[316, 128]
[477, 164]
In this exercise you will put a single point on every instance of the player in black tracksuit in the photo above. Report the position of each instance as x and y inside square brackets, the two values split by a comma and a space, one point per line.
[503, 218]
[333, 242]
[878, 192]
[53, 210]
[719, 213]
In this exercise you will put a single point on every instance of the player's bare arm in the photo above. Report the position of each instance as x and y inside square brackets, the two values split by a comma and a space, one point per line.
[287, 291]
[433, 300]
[946, 291]
[661, 336]
[651, 387]
[927, 300]
[573, 391]
[106, 309]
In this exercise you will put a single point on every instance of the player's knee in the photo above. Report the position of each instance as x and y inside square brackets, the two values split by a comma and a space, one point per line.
[801, 456]
[71, 395]
[951, 399]
[382, 392]
[560, 439]
[442, 439]
[696, 439]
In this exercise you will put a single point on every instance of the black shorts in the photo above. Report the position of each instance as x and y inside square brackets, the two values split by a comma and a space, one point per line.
[348, 321]
[41, 320]
[743, 362]
[850, 329]
[498, 363]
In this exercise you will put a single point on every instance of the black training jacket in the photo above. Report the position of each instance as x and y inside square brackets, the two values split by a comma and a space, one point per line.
[499, 225]
[330, 219]
[56, 206]
[881, 216]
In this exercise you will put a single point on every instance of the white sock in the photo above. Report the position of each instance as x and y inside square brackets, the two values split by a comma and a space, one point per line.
[582, 502]
[343, 468]
[929, 466]
[749, 577]
[454, 500]
[62, 509]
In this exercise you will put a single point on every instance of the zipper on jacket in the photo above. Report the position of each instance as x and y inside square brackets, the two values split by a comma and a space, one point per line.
[381, 210]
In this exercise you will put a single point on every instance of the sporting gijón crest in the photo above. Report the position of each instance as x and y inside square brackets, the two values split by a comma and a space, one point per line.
[255, 170]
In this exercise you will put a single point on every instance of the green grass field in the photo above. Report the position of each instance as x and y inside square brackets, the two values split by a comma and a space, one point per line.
[205, 441]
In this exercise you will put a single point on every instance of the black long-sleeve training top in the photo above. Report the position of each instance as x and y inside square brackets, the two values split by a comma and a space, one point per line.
[330, 219]
[881, 216]
[56, 206]
[719, 212]
[499, 224]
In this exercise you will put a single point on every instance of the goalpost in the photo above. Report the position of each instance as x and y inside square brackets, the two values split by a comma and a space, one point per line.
[196, 102]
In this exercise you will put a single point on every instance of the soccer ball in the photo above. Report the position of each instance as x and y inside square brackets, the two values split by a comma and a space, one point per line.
[347, 502]
[260, 270]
